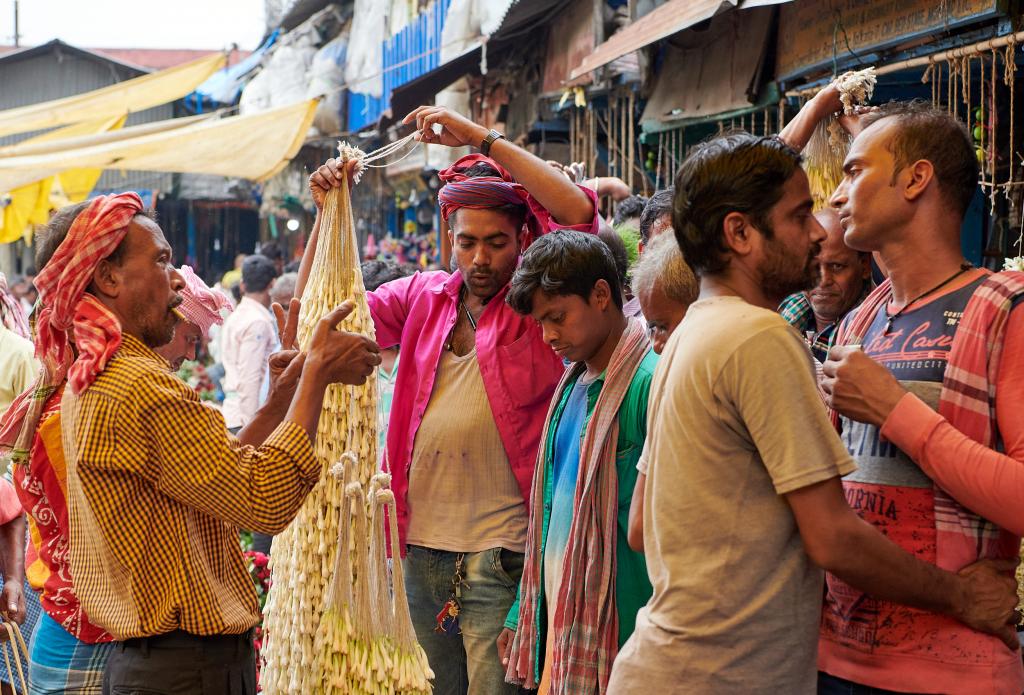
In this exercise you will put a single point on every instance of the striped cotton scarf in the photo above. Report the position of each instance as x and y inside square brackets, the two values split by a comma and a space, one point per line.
[586, 620]
[64, 306]
[967, 401]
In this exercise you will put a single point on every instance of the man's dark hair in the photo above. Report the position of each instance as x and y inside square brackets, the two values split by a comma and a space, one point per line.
[258, 272]
[563, 262]
[292, 267]
[925, 132]
[734, 172]
[617, 246]
[629, 207]
[379, 272]
[50, 237]
[515, 213]
[481, 169]
[657, 205]
[272, 250]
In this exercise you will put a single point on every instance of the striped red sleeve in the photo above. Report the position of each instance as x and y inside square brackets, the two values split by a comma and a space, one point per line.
[986, 481]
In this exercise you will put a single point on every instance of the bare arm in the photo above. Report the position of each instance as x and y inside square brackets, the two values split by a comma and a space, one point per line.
[12, 559]
[798, 131]
[308, 254]
[567, 204]
[610, 186]
[635, 535]
[285, 371]
[981, 595]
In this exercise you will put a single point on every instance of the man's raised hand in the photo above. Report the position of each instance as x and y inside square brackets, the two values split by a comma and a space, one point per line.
[456, 129]
[330, 175]
[341, 356]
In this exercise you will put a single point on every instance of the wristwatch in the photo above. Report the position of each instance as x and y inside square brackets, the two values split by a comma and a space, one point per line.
[485, 146]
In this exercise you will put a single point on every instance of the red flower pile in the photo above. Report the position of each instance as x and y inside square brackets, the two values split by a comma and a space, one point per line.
[259, 570]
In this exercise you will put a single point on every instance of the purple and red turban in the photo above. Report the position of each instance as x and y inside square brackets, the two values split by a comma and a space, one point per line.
[483, 192]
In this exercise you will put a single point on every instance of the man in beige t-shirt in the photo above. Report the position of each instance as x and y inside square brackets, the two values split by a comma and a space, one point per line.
[743, 504]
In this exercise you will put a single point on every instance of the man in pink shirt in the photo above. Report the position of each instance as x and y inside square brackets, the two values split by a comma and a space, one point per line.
[471, 396]
[940, 459]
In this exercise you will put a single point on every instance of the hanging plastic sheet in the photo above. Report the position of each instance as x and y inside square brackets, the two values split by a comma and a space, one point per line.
[327, 78]
[718, 70]
[365, 57]
[284, 78]
[224, 86]
[116, 100]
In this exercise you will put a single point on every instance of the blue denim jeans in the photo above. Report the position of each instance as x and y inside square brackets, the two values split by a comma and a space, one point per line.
[832, 685]
[466, 663]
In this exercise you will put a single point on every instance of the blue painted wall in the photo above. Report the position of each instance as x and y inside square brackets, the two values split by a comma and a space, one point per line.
[412, 52]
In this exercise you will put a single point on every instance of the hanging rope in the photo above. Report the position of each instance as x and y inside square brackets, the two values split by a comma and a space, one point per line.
[591, 141]
[18, 650]
[951, 93]
[965, 82]
[388, 150]
[990, 158]
[348, 152]
[657, 165]
[928, 76]
[1009, 78]
[632, 141]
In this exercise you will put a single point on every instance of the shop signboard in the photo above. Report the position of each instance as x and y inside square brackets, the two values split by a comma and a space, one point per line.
[864, 26]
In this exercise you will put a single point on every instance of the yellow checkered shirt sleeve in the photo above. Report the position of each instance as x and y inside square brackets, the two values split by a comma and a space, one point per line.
[157, 492]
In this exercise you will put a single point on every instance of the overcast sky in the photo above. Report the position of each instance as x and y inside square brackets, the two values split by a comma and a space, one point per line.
[212, 24]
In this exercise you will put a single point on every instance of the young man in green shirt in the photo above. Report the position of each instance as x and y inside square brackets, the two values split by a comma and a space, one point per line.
[582, 585]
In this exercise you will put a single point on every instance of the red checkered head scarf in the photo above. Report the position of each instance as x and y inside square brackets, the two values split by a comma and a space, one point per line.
[484, 192]
[200, 304]
[65, 306]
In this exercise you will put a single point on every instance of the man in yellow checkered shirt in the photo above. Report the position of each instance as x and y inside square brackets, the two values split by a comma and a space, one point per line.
[148, 460]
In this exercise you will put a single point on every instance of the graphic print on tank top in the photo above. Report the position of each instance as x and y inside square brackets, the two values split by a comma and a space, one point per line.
[891, 492]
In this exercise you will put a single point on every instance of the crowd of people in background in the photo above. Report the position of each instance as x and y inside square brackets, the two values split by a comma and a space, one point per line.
[722, 442]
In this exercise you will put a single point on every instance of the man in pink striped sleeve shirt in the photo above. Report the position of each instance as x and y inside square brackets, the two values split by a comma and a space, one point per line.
[940, 458]
[471, 396]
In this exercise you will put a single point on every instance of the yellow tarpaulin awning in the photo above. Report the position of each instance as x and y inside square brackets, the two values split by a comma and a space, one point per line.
[254, 146]
[116, 100]
[31, 204]
[86, 134]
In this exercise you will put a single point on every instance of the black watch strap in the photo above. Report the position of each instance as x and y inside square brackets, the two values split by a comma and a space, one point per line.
[485, 146]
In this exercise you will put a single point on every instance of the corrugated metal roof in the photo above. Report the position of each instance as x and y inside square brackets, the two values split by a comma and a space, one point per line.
[18, 53]
[57, 70]
[161, 58]
[140, 59]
